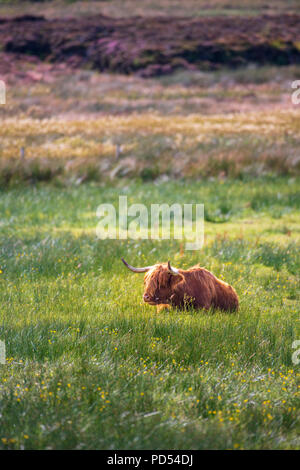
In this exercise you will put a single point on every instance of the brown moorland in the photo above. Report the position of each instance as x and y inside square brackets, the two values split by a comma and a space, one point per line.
[154, 46]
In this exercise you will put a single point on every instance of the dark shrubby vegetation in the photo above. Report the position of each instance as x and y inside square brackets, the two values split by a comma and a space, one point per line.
[157, 45]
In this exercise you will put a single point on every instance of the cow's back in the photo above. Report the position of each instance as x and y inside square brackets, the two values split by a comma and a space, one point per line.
[207, 290]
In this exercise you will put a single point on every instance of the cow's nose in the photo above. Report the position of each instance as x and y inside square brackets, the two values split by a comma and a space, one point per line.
[146, 297]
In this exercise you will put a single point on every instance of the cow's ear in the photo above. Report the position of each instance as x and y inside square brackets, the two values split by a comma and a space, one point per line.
[175, 279]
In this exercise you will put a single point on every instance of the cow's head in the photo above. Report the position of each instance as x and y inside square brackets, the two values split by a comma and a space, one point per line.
[159, 281]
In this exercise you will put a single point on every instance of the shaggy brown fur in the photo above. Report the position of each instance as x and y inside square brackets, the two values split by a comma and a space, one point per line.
[196, 287]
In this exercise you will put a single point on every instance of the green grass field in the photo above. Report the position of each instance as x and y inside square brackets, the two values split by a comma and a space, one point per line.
[89, 366]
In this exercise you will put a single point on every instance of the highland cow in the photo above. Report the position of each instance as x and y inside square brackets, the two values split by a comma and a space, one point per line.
[195, 287]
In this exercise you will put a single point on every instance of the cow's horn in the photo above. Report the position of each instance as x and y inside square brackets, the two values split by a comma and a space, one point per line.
[172, 270]
[136, 270]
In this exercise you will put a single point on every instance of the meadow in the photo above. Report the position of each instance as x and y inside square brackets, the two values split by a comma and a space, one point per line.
[88, 364]
[77, 126]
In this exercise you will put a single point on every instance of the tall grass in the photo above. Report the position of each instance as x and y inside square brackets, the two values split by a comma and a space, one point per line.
[90, 366]
[188, 125]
